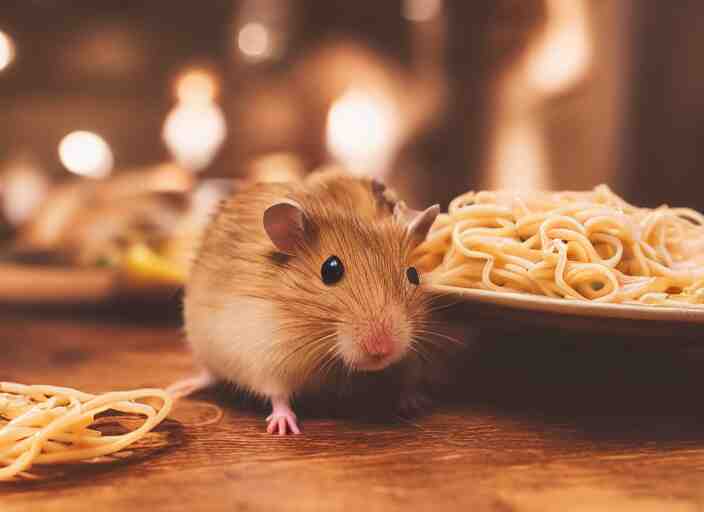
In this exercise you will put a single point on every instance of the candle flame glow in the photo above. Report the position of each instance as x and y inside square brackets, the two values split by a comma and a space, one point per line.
[86, 154]
[362, 132]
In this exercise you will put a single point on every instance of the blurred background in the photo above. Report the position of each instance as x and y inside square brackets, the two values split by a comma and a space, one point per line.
[434, 96]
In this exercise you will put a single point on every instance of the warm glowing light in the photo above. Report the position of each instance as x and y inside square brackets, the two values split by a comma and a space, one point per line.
[169, 177]
[24, 187]
[194, 133]
[7, 50]
[87, 154]
[254, 41]
[421, 10]
[519, 162]
[362, 132]
[196, 86]
[564, 52]
[277, 167]
[559, 59]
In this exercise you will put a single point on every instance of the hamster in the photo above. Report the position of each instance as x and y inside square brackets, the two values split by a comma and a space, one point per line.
[292, 279]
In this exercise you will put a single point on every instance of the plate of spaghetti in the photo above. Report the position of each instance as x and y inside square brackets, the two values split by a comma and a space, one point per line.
[580, 254]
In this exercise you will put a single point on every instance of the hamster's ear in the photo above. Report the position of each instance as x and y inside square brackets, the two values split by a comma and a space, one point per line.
[285, 224]
[378, 187]
[385, 197]
[417, 223]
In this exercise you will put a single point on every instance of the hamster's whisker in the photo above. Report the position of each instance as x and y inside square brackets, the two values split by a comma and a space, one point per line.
[331, 358]
[430, 321]
[440, 335]
[439, 307]
[415, 348]
[430, 350]
[425, 352]
[317, 356]
[427, 328]
[305, 341]
[310, 345]
[440, 330]
[433, 345]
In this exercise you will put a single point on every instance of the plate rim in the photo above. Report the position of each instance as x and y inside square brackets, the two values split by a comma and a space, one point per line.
[24, 284]
[572, 307]
[34, 284]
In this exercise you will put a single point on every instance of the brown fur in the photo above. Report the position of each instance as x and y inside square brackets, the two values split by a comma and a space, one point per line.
[238, 264]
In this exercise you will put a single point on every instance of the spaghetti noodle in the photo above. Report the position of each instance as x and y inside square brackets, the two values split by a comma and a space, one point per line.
[575, 245]
[49, 424]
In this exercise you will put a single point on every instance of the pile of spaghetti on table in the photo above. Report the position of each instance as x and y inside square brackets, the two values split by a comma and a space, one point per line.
[50, 424]
[575, 245]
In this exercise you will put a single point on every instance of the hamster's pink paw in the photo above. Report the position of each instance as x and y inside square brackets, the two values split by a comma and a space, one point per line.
[283, 423]
[282, 419]
[413, 404]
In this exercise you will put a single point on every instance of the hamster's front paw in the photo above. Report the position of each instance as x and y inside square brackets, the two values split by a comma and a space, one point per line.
[412, 404]
[282, 419]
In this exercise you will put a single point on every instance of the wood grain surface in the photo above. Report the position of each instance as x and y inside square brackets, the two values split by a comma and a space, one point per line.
[535, 421]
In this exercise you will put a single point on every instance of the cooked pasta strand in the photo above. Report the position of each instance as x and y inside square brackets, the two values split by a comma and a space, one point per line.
[50, 424]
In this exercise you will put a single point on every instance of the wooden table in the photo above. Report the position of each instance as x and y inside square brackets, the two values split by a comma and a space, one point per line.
[549, 423]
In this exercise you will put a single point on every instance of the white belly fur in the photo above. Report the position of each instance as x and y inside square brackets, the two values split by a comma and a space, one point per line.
[235, 338]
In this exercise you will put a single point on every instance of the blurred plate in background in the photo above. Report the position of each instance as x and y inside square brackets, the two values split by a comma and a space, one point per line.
[35, 284]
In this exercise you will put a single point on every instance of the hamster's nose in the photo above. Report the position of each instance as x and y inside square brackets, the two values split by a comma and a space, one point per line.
[378, 345]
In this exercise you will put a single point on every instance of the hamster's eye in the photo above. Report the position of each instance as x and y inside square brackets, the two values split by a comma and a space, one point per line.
[412, 275]
[332, 270]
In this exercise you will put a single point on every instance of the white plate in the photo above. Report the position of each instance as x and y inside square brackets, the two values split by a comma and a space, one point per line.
[489, 306]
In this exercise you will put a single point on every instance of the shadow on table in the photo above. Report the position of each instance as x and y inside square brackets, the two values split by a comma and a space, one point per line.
[604, 387]
[610, 389]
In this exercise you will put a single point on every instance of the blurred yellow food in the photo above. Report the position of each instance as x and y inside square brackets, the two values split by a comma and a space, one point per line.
[144, 266]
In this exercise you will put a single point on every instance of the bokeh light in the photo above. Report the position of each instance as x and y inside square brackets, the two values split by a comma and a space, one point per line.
[194, 133]
[7, 50]
[277, 168]
[254, 41]
[563, 56]
[24, 188]
[421, 10]
[362, 132]
[86, 154]
[196, 86]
